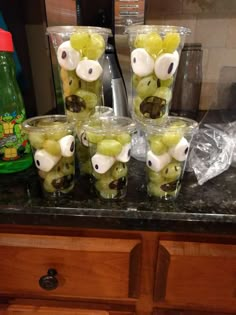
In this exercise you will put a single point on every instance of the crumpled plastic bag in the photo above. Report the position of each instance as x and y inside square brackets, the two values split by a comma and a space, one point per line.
[211, 152]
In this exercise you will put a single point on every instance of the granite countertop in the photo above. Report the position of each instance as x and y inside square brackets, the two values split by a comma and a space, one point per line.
[210, 208]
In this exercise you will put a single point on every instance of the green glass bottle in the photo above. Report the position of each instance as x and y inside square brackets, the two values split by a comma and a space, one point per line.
[15, 152]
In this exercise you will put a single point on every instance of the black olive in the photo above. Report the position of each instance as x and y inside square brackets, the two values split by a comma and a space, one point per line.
[75, 103]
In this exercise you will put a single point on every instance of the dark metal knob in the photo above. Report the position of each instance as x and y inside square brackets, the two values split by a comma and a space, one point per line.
[49, 281]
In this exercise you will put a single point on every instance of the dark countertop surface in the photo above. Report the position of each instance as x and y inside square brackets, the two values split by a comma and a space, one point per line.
[210, 208]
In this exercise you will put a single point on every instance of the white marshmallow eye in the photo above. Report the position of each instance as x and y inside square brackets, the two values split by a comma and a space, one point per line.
[166, 65]
[45, 161]
[89, 70]
[102, 163]
[141, 62]
[180, 150]
[83, 139]
[124, 155]
[67, 56]
[67, 145]
[157, 162]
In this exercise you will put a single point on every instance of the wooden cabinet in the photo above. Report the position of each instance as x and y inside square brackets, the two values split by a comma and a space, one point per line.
[56, 271]
[195, 273]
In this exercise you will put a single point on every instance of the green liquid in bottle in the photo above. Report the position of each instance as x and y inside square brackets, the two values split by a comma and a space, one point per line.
[15, 152]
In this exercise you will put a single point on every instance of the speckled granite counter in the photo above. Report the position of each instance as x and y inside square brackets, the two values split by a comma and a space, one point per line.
[210, 208]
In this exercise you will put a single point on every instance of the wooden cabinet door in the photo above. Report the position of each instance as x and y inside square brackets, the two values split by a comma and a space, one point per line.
[44, 310]
[170, 312]
[192, 275]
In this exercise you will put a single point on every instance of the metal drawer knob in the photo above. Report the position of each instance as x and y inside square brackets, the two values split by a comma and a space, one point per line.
[49, 281]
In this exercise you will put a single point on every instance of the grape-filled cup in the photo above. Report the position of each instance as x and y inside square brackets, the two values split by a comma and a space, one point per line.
[109, 141]
[53, 145]
[80, 54]
[167, 151]
[155, 53]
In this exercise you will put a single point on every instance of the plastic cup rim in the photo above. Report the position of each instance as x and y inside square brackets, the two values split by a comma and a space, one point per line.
[161, 29]
[28, 127]
[70, 29]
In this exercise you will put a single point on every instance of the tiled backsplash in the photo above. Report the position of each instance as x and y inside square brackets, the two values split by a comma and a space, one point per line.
[213, 24]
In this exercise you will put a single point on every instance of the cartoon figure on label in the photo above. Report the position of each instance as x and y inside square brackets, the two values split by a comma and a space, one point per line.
[13, 142]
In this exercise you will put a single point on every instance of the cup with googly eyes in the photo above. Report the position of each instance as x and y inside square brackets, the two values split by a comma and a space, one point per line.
[53, 145]
[82, 144]
[80, 55]
[109, 141]
[167, 151]
[155, 53]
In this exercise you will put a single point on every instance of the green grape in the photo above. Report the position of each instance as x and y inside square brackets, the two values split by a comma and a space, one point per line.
[103, 183]
[108, 193]
[135, 80]
[89, 98]
[94, 87]
[37, 139]
[93, 137]
[140, 40]
[79, 41]
[109, 147]
[171, 138]
[56, 134]
[54, 181]
[95, 47]
[154, 176]
[73, 116]
[137, 102]
[52, 147]
[156, 145]
[166, 83]
[119, 170]
[101, 176]
[147, 86]
[171, 42]
[154, 189]
[123, 138]
[172, 171]
[164, 93]
[153, 44]
[70, 82]
[66, 167]
[178, 124]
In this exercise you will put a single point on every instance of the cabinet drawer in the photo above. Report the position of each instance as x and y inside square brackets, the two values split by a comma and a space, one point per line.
[86, 267]
[196, 274]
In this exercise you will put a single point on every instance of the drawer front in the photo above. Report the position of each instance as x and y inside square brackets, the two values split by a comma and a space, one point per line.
[196, 274]
[86, 267]
[170, 312]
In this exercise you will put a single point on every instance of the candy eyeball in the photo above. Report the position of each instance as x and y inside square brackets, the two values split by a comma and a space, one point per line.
[141, 62]
[45, 161]
[102, 163]
[124, 155]
[83, 139]
[180, 151]
[67, 145]
[67, 57]
[166, 65]
[157, 162]
[89, 70]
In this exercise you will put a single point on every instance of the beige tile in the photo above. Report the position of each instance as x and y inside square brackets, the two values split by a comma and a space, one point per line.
[159, 7]
[231, 37]
[212, 32]
[217, 60]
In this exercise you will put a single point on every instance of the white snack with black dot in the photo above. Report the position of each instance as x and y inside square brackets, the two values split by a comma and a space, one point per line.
[45, 161]
[83, 139]
[180, 150]
[102, 163]
[67, 145]
[157, 162]
[141, 62]
[124, 155]
[166, 65]
[68, 58]
[89, 70]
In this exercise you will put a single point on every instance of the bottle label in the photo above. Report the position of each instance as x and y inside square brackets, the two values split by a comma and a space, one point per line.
[13, 141]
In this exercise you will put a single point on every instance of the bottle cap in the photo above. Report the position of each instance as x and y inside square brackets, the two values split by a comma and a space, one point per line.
[6, 43]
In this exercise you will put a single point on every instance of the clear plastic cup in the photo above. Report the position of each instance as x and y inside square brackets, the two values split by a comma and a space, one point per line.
[82, 146]
[80, 54]
[110, 143]
[167, 151]
[155, 53]
[53, 145]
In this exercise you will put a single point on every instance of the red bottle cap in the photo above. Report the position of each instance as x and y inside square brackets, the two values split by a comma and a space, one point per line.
[6, 43]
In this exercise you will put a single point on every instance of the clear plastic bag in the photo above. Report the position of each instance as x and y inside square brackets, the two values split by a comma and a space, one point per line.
[212, 150]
